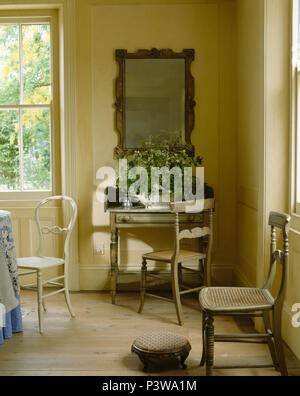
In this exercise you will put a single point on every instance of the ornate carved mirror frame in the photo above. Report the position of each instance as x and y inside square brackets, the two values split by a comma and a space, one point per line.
[121, 56]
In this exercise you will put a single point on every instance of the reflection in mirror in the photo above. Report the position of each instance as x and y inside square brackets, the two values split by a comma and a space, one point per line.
[155, 93]
[155, 99]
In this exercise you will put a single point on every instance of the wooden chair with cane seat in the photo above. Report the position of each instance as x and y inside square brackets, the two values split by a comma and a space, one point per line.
[36, 265]
[250, 302]
[177, 257]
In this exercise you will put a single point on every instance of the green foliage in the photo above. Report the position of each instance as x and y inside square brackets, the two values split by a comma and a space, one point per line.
[9, 149]
[36, 150]
[9, 65]
[36, 70]
[36, 64]
[159, 152]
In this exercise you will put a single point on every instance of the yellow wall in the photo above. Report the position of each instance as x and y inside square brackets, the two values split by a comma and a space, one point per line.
[209, 28]
[263, 59]
[241, 75]
[250, 134]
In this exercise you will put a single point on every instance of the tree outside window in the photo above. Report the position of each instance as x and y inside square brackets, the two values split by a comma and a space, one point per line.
[25, 107]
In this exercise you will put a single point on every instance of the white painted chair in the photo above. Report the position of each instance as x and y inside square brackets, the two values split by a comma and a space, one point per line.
[177, 256]
[37, 264]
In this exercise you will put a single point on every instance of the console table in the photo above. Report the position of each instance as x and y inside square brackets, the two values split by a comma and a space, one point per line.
[121, 218]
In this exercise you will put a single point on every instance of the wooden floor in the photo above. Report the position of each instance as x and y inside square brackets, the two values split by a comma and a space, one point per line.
[98, 341]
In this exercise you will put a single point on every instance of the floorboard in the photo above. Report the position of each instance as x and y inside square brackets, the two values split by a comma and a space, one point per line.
[98, 341]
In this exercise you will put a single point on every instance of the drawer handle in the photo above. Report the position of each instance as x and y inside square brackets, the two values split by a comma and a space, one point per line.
[125, 218]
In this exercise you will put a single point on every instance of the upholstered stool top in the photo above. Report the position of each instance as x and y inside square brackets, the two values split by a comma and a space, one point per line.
[161, 345]
[161, 342]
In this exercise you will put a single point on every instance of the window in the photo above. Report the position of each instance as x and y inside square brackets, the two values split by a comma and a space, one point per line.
[295, 103]
[26, 92]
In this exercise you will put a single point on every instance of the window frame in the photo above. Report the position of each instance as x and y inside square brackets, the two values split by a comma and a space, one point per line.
[39, 17]
[296, 144]
[295, 112]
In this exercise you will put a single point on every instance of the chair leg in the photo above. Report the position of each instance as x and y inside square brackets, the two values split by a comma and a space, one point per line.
[183, 359]
[267, 323]
[203, 359]
[180, 275]
[40, 300]
[67, 297]
[279, 344]
[143, 285]
[176, 294]
[201, 271]
[209, 334]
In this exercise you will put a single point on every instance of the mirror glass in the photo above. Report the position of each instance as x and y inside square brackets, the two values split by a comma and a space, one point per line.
[154, 93]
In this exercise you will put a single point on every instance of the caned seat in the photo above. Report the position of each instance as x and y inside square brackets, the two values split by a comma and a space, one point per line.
[166, 255]
[177, 256]
[235, 299]
[250, 303]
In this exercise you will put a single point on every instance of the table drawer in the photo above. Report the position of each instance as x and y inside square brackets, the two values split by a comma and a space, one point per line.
[156, 218]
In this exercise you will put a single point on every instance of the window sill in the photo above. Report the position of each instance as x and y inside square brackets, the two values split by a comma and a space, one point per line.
[28, 196]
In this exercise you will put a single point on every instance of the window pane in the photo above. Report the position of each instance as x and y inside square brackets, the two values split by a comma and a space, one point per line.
[9, 152]
[36, 150]
[36, 64]
[9, 65]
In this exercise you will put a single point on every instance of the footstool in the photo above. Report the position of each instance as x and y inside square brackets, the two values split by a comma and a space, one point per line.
[161, 345]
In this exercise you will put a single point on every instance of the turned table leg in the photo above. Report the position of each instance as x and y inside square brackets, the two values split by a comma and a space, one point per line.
[113, 258]
[209, 335]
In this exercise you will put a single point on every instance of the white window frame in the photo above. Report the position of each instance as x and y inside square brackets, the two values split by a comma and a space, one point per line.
[295, 112]
[296, 144]
[35, 195]
[65, 175]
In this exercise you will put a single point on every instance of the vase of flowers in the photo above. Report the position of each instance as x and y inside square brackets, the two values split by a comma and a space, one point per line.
[163, 154]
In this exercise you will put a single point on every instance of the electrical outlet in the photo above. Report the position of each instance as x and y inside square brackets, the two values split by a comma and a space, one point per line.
[99, 251]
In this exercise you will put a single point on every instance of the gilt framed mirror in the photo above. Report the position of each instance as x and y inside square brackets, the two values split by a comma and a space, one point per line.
[154, 96]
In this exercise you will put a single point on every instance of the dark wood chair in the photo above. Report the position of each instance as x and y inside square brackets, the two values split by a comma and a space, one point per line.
[250, 302]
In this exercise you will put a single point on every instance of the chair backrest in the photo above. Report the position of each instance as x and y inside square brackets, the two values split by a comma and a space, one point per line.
[279, 221]
[194, 206]
[205, 206]
[56, 230]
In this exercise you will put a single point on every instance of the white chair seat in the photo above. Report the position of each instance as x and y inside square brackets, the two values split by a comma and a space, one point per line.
[36, 263]
[166, 255]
